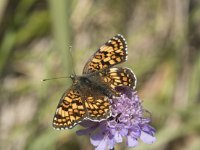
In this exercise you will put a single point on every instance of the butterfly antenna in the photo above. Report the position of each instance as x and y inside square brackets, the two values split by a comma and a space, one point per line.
[54, 78]
[70, 52]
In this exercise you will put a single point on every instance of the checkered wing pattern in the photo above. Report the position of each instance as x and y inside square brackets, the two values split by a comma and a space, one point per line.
[76, 105]
[97, 106]
[70, 110]
[118, 76]
[111, 53]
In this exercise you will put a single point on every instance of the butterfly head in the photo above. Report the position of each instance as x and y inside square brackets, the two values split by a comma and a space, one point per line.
[75, 79]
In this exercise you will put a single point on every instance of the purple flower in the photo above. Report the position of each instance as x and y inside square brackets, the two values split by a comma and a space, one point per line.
[127, 120]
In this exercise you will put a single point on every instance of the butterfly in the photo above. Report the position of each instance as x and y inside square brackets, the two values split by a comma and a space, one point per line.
[90, 94]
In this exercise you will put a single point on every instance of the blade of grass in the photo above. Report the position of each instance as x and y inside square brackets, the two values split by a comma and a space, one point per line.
[60, 12]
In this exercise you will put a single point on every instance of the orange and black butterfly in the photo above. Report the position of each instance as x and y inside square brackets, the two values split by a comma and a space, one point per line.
[88, 97]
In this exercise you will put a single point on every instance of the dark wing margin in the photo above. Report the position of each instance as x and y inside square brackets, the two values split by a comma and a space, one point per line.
[113, 52]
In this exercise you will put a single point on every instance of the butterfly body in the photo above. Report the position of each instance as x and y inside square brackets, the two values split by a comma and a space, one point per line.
[90, 94]
[92, 81]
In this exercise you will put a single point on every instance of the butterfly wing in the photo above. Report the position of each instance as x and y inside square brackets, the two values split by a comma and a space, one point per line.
[111, 53]
[119, 77]
[70, 110]
[97, 105]
[77, 105]
[111, 78]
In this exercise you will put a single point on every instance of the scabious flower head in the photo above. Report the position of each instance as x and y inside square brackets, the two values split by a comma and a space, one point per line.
[127, 120]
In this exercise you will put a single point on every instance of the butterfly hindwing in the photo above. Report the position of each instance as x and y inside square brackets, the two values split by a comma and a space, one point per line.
[70, 110]
[108, 79]
[97, 105]
[111, 53]
[118, 76]
[112, 77]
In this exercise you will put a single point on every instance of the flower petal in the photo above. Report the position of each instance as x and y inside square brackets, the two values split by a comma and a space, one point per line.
[96, 138]
[148, 129]
[147, 138]
[102, 144]
[118, 137]
[84, 131]
[131, 142]
[135, 132]
[112, 123]
[123, 131]
[111, 143]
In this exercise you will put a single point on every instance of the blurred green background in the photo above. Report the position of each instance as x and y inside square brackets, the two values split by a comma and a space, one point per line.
[164, 52]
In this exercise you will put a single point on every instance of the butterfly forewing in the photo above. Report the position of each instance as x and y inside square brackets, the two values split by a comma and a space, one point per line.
[70, 110]
[111, 53]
